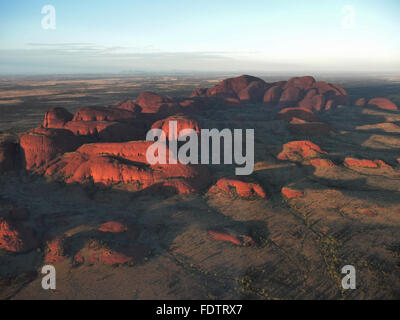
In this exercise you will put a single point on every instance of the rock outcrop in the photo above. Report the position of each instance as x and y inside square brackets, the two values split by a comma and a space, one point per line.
[182, 121]
[364, 163]
[107, 131]
[242, 188]
[16, 237]
[115, 163]
[129, 105]
[289, 193]
[96, 252]
[113, 227]
[254, 92]
[317, 162]
[57, 118]
[272, 96]
[299, 91]
[41, 145]
[151, 102]
[361, 102]
[299, 151]
[301, 113]
[54, 252]
[232, 87]
[104, 114]
[382, 103]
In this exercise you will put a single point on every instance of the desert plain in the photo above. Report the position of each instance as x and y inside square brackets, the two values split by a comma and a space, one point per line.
[76, 193]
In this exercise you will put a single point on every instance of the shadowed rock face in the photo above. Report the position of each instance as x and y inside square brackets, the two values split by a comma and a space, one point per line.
[304, 121]
[302, 127]
[313, 101]
[254, 92]
[8, 156]
[128, 105]
[106, 130]
[153, 103]
[109, 124]
[272, 96]
[111, 243]
[290, 96]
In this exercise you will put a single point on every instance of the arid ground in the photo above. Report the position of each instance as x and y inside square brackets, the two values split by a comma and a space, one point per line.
[337, 207]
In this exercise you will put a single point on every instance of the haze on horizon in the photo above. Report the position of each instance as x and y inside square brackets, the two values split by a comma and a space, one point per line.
[205, 36]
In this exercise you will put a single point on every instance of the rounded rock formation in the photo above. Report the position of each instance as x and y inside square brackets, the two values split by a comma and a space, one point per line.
[361, 102]
[182, 121]
[243, 189]
[272, 96]
[300, 151]
[290, 96]
[302, 83]
[57, 118]
[254, 92]
[115, 163]
[382, 103]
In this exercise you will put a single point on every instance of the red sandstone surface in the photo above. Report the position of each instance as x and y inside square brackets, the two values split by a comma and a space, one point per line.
[300, 151]
[365, 163]
[291, 193]
[382, 103]
[243, 189]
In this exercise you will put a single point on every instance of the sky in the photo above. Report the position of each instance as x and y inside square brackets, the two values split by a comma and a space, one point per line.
[105, 36]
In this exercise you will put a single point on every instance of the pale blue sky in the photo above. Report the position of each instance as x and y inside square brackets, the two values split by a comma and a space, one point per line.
[208, 35]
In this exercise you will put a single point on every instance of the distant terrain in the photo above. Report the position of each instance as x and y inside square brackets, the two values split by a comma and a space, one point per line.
[23, 100]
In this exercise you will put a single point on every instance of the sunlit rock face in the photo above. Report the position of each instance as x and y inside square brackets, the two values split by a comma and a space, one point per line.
[116, 163]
